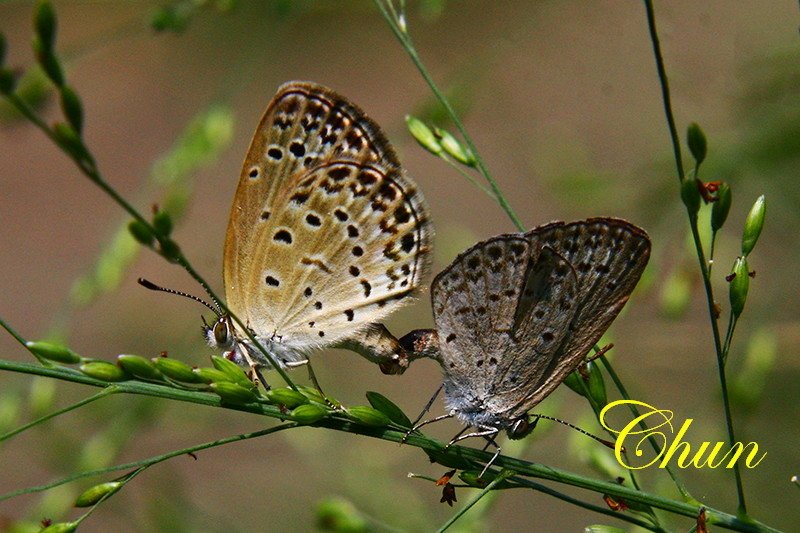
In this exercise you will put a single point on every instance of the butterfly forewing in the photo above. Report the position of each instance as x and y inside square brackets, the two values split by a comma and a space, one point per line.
[326, 232]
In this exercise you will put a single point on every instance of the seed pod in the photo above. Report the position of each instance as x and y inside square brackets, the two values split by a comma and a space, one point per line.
[739, 286]
[753, 225]
[287, 397]
[44, 22]
[232, 370]
[49, 62]
[387, 407]
[212, 375]
[177, 370]
[596, 385]
[720, 209]
[103, 370]
[139, 367]
[53, 352]
[690, 195]
[72, 108]
[423, 135]
[453, 146]
[233, 393]
[92, 495]
[141, 233]
[367, 416]
[309, 413]
[162, 222]
[696, 140]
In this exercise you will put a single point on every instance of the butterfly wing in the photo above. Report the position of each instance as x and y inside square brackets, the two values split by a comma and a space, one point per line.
[607, 257]
[326, 231]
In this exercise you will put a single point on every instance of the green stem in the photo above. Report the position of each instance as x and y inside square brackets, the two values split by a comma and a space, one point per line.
[111, 389]
[146, 463]
[453, 457]
[408, 45]
[502, 476]
[676, 147]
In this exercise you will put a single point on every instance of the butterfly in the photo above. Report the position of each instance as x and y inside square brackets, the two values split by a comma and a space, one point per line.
[517, 313]
[327, 234]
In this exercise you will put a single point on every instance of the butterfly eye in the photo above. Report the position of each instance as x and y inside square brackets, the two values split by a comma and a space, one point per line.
[221, 332]
[520, 428]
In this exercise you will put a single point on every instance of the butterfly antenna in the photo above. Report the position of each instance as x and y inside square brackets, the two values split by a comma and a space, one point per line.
[604, 442]
[147, 284]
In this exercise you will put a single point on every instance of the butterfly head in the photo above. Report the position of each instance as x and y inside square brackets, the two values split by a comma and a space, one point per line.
[520, 428]
[221, 334]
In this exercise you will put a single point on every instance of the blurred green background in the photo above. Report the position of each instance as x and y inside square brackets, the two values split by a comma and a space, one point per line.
[563, 103]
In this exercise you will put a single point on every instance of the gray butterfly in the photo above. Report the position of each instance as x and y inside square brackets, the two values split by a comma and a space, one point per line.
[516, 314]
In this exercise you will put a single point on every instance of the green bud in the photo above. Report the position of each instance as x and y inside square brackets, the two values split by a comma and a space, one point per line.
[720, 209]
[387, 407]
[690, 194]
[92, 495]
[49, 62]
[739, 285]
[69, 140]
[232, 370]
[596, 385]
[753, 225]
[44, 22]
[61, 527]
[367, 416]
[423, 135]
[53, 352]
[287, 397]
[170, 250]
[139, 367]
[72, 108]
[141, 233]
[696, 140]
[233, 393]
[177, 370]
[312, 394]
[162, 222]
[212, 375]
[103, 370]
[8, 81]
[309, 413]
[453, 146]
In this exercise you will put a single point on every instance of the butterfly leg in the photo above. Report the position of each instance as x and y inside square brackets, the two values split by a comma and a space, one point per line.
[428, 405]
[254, 368]
[425, 423]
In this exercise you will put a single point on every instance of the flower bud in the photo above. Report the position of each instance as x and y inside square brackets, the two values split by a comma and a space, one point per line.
[103, 370]
[177, 370]
[139, 367]
[53, 352]
[44, 22]
[739, 285]
[423, 135]
[367, 416]
[696, 140]
[162, 222]
[232, 370]
[61, 527]
[233, 393]
[387, 407]
[453, 147]
[8, 81]
[690, 195]
[309, 413]
[720, 209]
[141, 233]
[92, 495]
[72, 108]
[212, 375]
[287, 397]
[49, 62]
[753, 225]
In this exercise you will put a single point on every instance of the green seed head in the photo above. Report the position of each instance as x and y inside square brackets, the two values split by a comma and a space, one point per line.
[753, 225]
[309, 413]
[367, 416]
[423, 135]
[92, 495]
[690, 194]
[387, 407]
[72, 108]
[287, 397]
[141, 233]
[720, 209]
[177, 370]
[212, 375]
[233, 371]
[139, 367]
[44, 22]
[162, 222]
[696, 140]
[53, 352]
[233, 393]
[454, 148]
[739, 285]
[103, 370]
